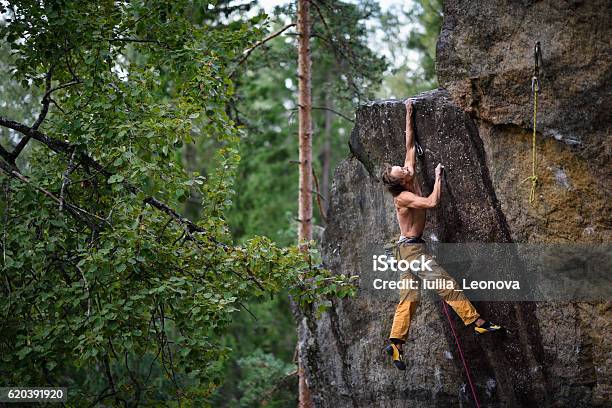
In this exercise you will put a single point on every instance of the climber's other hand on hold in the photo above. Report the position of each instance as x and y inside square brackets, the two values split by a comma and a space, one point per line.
[439, 170]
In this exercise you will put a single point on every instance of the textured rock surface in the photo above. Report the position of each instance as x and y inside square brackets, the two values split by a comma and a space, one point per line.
[343, 348]
[485, 60]
[483, 137]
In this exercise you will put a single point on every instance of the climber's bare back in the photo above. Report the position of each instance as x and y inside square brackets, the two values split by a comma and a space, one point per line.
[411, 220]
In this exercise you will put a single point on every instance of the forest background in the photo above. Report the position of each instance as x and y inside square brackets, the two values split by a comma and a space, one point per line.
[228, 167]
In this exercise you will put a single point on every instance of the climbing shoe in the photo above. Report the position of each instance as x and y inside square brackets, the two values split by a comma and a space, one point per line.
[397, 356]
[487, 327]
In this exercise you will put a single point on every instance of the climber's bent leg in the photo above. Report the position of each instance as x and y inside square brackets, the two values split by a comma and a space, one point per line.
[450, 291]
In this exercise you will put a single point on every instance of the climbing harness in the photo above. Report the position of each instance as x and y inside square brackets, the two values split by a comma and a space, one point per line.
[465, 366]
[535, 87]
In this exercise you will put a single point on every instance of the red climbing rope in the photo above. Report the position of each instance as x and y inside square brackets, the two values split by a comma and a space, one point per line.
[467, 370]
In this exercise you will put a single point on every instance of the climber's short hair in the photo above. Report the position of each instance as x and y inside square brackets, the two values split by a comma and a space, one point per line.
[394, 185]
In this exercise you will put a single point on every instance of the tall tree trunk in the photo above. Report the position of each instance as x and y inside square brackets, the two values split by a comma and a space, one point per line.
[305, 123]
[305, 143]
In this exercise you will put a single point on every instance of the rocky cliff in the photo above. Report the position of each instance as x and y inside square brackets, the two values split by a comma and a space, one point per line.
[485, 60]
[479, 127]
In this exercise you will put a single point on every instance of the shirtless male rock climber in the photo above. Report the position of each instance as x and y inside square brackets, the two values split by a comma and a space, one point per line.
[410, 209]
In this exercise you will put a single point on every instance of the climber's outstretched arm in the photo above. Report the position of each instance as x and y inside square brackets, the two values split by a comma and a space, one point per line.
[410, 200]
[410, 148]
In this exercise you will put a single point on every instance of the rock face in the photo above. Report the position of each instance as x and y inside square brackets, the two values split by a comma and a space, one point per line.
[485, 60]
[345, 366]
[480, 128]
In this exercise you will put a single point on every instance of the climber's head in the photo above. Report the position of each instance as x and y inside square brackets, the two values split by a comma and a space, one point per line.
[397, 179]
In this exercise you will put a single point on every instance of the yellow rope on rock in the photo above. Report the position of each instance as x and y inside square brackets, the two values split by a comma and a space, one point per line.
[534, 176]
[535, 87]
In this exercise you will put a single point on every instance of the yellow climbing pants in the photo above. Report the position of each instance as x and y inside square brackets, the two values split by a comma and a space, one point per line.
[410, 296]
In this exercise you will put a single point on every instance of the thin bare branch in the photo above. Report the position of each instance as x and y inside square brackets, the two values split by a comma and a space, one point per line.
[77, 212]
[133, 378]
[320, 14]
[69, 169]
[41, 117]
[259, 43]
[327, 109]
[62, 86]
[318, 195]
[334, 111]
[57, 105]
[109, 377]
[86, 284]
[136, 40]
[45, 100]
[74, 76]
[247, 309]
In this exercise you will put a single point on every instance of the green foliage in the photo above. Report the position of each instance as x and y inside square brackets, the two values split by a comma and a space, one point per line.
[344, 72]
[261, 373]
[16, 102]
[268, 335]
[105, 289]
[428, 16]
[119, 299]
[411, 34]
